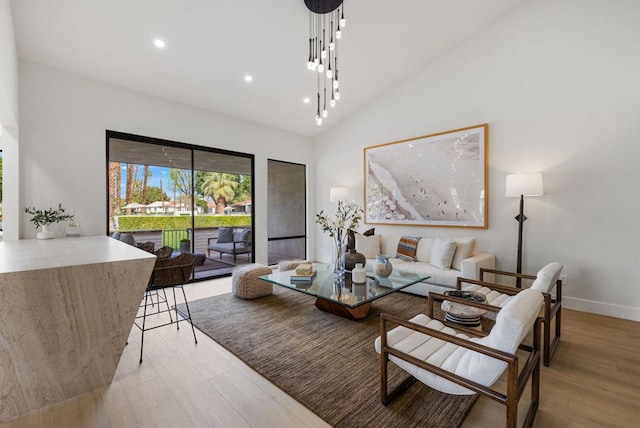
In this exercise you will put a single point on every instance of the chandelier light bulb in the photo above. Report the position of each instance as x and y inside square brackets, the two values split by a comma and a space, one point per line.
[326, 20]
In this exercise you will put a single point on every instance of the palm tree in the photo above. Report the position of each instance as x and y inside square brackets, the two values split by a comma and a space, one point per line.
[221, 187]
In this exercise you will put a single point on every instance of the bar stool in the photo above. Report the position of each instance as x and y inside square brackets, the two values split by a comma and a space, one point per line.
[168, 273]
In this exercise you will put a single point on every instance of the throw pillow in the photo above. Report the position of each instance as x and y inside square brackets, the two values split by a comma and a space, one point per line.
[464, 249]
[407, 248]
[442, 253]
[369, 246]
[243, 237]
[351, 237]
[128, 238]
[225, 235]
[116, 235]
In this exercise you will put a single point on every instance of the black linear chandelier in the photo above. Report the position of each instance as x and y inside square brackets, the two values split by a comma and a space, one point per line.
[326, 22]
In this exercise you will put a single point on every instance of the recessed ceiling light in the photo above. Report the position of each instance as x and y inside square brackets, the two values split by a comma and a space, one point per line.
[248, 78]
[306, 100]
[159, 43]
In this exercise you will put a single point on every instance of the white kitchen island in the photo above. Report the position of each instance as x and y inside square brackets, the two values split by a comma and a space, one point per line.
[67, 307]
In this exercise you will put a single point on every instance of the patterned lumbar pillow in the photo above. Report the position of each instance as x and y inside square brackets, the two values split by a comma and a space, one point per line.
[407, 248]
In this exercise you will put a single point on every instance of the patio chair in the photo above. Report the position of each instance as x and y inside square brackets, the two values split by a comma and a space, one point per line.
[455, 363]
[168, 273]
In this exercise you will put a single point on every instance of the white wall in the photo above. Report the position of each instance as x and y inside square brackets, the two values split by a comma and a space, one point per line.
[63, 149]
[9, 121]
[557, 82]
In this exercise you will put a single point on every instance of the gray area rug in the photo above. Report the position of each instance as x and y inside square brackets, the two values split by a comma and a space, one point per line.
[325, 362]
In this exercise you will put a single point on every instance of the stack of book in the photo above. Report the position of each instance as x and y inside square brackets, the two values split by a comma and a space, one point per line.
[304, 274]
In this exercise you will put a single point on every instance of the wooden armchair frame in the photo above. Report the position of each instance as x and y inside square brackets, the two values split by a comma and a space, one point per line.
[552, 306]
[516, 381]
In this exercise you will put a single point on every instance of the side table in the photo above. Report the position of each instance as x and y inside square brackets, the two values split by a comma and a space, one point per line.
[467, 316]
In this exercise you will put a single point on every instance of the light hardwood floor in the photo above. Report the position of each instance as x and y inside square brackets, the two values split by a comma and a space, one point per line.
[594, 380]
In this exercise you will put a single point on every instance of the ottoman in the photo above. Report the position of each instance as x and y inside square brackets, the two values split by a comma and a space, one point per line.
[246, 284]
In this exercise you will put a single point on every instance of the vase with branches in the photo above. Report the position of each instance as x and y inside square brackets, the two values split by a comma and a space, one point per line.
[348, 216]
[45, 218]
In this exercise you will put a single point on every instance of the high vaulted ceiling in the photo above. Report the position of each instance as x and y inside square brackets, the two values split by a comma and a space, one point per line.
[212, 44]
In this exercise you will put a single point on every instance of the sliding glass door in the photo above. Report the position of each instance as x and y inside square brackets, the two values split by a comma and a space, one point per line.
[167, 194]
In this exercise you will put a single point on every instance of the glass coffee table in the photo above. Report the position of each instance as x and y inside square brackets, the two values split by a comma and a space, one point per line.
[339, 295]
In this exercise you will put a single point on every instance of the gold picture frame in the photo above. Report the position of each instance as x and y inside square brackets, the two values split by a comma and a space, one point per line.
[435, 180]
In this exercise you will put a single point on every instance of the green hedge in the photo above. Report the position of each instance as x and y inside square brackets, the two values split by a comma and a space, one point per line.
[132, 223]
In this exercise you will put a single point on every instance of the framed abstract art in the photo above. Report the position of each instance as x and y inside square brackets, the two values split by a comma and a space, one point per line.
[433, 180]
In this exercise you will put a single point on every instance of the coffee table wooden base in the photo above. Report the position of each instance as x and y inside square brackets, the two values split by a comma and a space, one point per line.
[356, 313]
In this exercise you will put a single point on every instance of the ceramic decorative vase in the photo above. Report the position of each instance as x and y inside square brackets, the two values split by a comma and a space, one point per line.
[185, 247]
[48, 232]
[382, 266]
[358, 274]
[351, 258]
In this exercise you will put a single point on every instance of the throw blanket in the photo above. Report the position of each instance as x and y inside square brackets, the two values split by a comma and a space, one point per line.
[407, 248]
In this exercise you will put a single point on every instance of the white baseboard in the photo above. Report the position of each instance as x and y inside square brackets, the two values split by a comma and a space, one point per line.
[616, 311]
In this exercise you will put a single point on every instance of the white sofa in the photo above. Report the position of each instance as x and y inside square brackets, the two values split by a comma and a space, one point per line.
[440, 279]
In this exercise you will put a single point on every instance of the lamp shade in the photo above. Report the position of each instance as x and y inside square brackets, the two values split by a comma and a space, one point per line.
[529, 184]
[338, 194]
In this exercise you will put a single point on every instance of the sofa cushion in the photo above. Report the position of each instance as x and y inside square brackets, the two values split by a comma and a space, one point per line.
[351, 237]
[442, 253]
[225, 234]
[447, 278]
[407, 248]
[464, 248]
[423, 252]
[369, 246]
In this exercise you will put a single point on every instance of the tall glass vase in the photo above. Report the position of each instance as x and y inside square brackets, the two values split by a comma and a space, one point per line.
[338, 265]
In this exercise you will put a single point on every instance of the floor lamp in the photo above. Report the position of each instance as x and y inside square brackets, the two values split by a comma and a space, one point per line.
[521, 185]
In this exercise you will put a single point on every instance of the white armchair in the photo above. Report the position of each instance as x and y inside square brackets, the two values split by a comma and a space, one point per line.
[546, 281]
[455, 363]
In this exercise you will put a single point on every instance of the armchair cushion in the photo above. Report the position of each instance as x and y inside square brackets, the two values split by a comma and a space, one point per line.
[242, 238]
[225, 234]
[547, 277]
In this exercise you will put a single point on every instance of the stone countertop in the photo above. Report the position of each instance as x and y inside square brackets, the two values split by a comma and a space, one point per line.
[32, 254]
